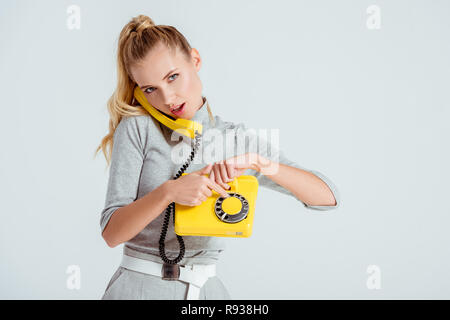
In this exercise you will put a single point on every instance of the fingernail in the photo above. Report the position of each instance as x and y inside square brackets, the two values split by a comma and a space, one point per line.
[227, 186]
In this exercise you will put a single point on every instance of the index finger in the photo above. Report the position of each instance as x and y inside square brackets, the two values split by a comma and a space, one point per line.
[217, 188]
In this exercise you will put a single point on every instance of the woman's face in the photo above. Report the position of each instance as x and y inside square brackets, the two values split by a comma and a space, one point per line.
[168, 80]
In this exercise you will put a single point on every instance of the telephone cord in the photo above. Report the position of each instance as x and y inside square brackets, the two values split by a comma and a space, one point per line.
[170, 210]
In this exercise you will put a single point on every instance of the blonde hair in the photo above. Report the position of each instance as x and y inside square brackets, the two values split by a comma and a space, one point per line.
[136, 39]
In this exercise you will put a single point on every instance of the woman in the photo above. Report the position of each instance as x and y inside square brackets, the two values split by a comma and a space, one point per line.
[159, 60]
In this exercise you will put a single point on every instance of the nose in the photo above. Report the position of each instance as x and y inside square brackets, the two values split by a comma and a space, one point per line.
[169, 98]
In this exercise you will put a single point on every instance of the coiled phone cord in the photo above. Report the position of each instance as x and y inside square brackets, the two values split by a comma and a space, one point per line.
[170, 210]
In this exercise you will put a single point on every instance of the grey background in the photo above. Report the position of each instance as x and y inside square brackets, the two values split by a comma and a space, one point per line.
[368, 108]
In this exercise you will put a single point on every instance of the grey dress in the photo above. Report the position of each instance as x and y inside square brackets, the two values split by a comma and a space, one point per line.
[142, 160]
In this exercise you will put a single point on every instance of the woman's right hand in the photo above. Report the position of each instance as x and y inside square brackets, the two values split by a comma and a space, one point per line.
[194, 188]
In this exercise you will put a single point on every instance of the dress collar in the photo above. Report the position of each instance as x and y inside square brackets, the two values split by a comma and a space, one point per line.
[202, 114]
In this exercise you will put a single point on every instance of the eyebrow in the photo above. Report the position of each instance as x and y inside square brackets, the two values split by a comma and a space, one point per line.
[149, 85]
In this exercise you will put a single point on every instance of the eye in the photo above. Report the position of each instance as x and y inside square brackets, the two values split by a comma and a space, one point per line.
[175, 74]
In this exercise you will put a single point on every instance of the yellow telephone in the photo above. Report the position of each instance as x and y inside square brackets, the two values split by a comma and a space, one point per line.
[216, 216]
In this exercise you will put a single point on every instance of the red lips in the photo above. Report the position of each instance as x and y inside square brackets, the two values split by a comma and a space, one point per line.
[178, 112]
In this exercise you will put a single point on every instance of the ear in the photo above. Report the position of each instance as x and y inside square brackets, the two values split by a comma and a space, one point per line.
[196, 59]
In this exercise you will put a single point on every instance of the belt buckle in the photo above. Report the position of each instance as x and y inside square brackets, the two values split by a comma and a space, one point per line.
[170, 271]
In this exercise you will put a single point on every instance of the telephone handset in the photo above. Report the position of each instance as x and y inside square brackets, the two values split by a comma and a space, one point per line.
[183, 126]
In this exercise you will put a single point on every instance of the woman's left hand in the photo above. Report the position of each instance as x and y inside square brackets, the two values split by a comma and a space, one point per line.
[223, 172]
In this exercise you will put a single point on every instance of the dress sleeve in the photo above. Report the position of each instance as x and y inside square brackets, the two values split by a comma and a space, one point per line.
[260, 144]
[125, 168]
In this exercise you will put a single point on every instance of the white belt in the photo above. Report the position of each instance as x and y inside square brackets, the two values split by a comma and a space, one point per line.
[195, 275]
